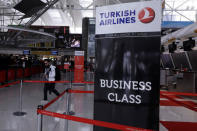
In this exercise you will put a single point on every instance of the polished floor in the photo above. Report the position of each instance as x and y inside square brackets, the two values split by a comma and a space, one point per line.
[81, 105]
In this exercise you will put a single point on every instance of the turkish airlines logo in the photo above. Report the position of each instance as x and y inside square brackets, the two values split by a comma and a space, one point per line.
[146, 15]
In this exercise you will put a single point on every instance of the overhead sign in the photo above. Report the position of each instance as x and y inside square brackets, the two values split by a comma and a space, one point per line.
[41, 52]
[54, 52]
[26, 52]
[129, 17]
[79, 53]
[79, 68]
[42, 45]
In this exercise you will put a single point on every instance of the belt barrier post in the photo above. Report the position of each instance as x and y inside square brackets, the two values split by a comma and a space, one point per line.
[20, 112]
[85, 76]
[39, 118]
[69, 75]
[69, 101]
[68, 112]
[67, 108]
[92, 74]
[89, 77]
[66, 77]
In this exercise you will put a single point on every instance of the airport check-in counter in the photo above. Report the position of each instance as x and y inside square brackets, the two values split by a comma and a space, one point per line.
[182, 67]
[187, 82]
[167, 75]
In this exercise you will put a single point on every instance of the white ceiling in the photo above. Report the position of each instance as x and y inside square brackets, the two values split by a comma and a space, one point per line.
[71, 12]
[180, 10]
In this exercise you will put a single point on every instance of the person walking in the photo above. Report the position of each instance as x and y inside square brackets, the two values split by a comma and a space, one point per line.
[49, 75]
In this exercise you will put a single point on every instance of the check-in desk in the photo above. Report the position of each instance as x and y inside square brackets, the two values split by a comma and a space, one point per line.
[184, 66]
[167, 78]
[179, 81]
[186, 82]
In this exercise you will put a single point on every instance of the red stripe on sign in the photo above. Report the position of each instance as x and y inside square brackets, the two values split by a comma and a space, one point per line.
[90, 121]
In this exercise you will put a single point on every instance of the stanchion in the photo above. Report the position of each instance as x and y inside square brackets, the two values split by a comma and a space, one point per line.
[92, 122]
[66, 76]
[70, 75]
[69, 100]
[39, 118]
[68, 112]
[86, 86]
[89, 74]
[67, 108]
[20, 112]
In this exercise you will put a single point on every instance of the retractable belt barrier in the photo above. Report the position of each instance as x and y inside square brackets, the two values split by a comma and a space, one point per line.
[102, 123]
[43, 111]
[164, 94]
[67, 90]
[13, 83]
[180, 103]
[54, 100]
[36, 81]
[84, 82]
[74, 118]
[79, 91]
[96, 122]
[90, 121]
[179, 93]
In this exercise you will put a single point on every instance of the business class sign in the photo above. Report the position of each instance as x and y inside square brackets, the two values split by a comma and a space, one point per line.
[128, 64]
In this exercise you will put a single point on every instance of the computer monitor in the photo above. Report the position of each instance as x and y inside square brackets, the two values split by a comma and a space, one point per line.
[188, 45]
[172, 47]
[180, 60]
[26, 52]
[54, 52]
[192, 58]
[73, 41]
[167, 61]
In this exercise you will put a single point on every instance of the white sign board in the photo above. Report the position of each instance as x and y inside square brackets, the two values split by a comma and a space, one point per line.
[79, 53]
[129, 17]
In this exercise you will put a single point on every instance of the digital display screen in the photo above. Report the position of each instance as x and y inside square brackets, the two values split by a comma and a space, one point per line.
[192, 57]
[180, 60]
[54, 52]
[73, 41]
[167, 61]
[60, 32]
[26, 52]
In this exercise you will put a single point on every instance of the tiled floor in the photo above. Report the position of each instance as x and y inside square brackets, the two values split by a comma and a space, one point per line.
[81, 104]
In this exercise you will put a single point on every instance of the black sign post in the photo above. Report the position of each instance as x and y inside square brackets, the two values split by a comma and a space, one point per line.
[127, 75]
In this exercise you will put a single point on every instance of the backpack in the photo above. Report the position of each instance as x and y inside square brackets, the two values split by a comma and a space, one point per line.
[57, 74]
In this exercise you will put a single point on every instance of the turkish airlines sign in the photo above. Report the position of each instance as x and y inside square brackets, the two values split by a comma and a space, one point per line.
[129, 17]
